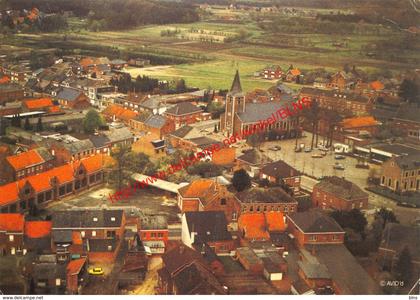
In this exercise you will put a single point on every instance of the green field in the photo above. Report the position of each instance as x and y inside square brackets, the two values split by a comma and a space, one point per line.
[212, 64]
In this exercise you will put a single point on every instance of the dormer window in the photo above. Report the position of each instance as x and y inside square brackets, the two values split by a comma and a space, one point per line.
[109, 248]
[95, 219]
[113, 219]
[80, 171]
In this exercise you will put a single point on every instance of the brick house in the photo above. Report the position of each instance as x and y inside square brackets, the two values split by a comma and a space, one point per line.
[261, 200]
[208, 195]
[185, 272]
[53, 184]
[338, 101]
[292, 75]
[314, 228]
[10, 92]
[272, 72]
[209, 227]
[185, 113]
[344, 80]
[76, 275]
[27, 163]
[154, 233]
[407, 119]
[66, 152]
[12, 234]
[73, 98]
[116, 112]
[97, 233]
[280, 171]
[157, 125]
[337, 193]
[401, 174]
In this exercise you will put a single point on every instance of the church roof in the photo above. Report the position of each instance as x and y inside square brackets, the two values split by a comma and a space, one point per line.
[236, 84]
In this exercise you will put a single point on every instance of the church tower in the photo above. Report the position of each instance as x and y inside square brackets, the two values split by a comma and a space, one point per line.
[235, 103]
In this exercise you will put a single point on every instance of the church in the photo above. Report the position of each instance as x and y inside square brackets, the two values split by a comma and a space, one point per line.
[242, 114]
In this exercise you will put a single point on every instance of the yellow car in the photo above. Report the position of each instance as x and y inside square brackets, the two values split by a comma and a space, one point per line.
[96, 271]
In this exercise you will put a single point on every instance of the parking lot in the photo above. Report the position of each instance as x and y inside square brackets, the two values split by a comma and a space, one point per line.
[319, 167]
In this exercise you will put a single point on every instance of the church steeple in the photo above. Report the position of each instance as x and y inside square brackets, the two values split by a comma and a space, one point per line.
[236, 84]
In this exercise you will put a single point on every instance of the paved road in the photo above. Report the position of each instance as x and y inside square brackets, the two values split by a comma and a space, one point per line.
[319, 167]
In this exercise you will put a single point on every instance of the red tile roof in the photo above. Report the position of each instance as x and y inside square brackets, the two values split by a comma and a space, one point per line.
[74, 266]
[37, 229]
[93, 164]
[359, 122]
[377, 85]
[38, 103]
[254, 225]
[4, 79]
[119, 112]
[25, 160]
[12, 222]
[275, 221]
[257, 225]
[42, 181]
[9, 193]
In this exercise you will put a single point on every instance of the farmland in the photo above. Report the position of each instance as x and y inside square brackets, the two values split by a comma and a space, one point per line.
[206, 53]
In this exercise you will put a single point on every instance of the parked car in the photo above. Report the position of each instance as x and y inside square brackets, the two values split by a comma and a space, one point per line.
[338, 156]
[275, 148]
[96, 271]
[338, 166]
[308, 149]
[362, 166]
[298, 149]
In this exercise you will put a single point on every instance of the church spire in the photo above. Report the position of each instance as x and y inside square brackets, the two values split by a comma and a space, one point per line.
[236, 84]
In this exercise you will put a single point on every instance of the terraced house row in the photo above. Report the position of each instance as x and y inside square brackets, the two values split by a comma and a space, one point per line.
[57, 183]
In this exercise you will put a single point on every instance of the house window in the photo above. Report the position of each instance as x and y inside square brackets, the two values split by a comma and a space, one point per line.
[312, 238]
[83, 233]
[110, 234]
[160, 234]
[153, 235]
[109, 248]
[57, 281]
[11, 238]
[113, 219]
[94, 233]
[336, 237]
[383, 179]
[223, 201]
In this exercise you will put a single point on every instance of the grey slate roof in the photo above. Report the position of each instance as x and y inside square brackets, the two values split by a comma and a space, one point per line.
[182, 131]
[203, 142]
[280, 169]
[119, 134]
[155, 121]
[256, 112]
[87, 219]
[78, 146]
[99, 141]
[236, 87]
[62, 236]
[345, 270]
[408, 162]
[69, 94]
[314, 271]
[210, 226]
[254, 157]
[315, 222]
[183, 108]
[262, 195]
[409, 112]
[341, 188]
